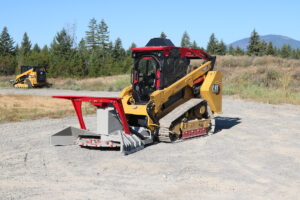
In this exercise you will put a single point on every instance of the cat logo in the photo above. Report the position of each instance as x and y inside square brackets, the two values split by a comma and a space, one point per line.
[216, 89]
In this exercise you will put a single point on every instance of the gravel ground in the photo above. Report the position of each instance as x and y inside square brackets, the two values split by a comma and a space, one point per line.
[254, 155]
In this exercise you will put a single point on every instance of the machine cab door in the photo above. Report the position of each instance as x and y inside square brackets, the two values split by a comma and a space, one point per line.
[145, 78]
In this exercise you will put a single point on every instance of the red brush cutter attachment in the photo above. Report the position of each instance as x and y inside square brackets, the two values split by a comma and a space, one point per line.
[113, 130]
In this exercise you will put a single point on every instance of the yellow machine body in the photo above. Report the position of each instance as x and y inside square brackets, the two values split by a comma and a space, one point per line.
[210, 90]
[33, 77]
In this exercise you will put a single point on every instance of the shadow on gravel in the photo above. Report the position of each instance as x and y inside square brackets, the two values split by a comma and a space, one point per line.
[226, 122]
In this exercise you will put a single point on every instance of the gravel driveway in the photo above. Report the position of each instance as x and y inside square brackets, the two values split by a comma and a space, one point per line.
[254, 155]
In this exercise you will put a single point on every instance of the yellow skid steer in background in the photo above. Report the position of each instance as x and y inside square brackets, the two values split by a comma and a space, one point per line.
[30, 77]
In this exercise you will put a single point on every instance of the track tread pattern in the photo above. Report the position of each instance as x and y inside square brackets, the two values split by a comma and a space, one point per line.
[166, 121]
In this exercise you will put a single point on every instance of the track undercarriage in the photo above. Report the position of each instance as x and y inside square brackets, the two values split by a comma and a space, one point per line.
[191, 119]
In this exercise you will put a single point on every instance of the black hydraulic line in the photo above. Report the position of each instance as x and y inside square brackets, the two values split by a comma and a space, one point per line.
[22, 78]
[156, 128]
[136, 133]
[212, 60]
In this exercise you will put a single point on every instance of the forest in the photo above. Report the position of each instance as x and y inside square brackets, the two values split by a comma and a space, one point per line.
[96, 55]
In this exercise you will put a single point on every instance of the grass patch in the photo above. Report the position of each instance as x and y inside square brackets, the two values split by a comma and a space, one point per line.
[5, 81]
[262, 94]
[110, 83]
[26, 107]
[266, 79]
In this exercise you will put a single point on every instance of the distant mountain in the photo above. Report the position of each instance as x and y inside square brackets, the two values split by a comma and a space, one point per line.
[277, 40]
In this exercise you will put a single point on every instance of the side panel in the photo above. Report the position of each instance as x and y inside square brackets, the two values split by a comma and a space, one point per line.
[162, 96]
[131, 108]
[211, 90]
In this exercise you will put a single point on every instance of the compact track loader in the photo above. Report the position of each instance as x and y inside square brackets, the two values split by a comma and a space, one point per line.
[30, 76]
[168, 100]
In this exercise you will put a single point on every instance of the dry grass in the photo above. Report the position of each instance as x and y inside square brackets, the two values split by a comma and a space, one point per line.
[25, 107]
[266, 79]
[108, 83]
[5, 81]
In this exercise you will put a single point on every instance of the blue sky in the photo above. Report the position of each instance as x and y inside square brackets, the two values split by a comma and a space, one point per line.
[138, 21]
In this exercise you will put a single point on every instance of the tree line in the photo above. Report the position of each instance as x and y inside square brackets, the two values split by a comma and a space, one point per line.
[256, 47]
[96, 55]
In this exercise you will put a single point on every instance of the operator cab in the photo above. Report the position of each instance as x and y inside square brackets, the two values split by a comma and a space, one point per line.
[40, 72]
[156, 66]
[145, 77]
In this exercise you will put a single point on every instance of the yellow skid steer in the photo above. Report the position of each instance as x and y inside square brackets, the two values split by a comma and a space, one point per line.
[168, 100]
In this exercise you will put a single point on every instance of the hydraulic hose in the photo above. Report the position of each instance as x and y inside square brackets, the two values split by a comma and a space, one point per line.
[156, 128]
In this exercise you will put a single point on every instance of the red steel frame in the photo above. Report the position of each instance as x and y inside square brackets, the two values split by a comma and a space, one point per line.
[99, 102]
[184, 52]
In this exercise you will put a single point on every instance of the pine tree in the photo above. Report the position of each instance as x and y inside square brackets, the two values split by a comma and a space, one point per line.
[25, 46]
[44, 54]
[285, 51]
[270, 49]
[36, 58]
[263, 48]
[231, 50]
[118, 51]
[163, 35]
[91, 34]
[294, 54]
[84, 54]
[289, 49]
[239, 51]
[278, 52]
[8, 64]
[82, 48]
[110, 48]
[6, 43]
[60, 54]
[17, 50]
[254, 44]
[195, 45]
[45, 49]
[212, 44]
[133, 45]
[298, 53]
[185, 40]
[128, 52]
[221, 48]
[75, 68]
[94, 64]
[36, 48]
[102, 36]
[62, 43]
